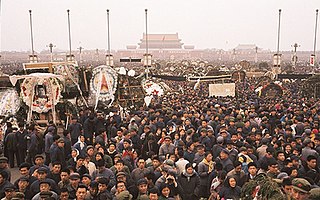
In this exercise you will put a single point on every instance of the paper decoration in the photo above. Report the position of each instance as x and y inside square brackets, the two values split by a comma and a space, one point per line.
[152, 88]
[70, 74]
[9, 102]
[41, 91]
[147, 100]
[122, 71]
[104, 83]
[131, 72]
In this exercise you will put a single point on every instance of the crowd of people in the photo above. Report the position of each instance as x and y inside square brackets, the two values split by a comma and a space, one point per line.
[184, 145]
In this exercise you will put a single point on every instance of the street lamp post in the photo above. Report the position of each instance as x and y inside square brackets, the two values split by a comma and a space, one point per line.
[313, 61]
[147, 56]
[80, 51]
[109, 57]
[51, 51]
[295, 57]
[32, 57]
[256, 56]
[70, 57]
[277, 56]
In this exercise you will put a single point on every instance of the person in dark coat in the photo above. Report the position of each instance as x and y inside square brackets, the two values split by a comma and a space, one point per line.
[33, 144]
[11, 144]
[4, 167]
[67, 144]
[75, 129]
[21, 144]
[58, 154]
[205, 168]
[190, 183]
[89, 129]
[35, 186]
[103, 193]
[230, 190]
[4, 183]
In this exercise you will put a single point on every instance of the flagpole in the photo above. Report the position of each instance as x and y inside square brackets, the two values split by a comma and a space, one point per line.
[68, 12]
[31, 34]
[278, 45]
[315, 37]
[147, 53]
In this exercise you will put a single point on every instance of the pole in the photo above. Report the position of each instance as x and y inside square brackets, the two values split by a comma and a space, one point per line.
[68, 11]
[108, 26]
[256, 57]
[147, 56]
[0, 28]
[31, 33]
[51, 52]
[315, 37]
[279, 31]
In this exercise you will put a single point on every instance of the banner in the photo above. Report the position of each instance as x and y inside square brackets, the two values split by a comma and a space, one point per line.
[312, 60]
[277, 60]
[225, 89]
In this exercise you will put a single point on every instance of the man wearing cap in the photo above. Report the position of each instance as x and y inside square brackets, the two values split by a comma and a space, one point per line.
[32, 144]
[42, 176]
[142, 187]
[300, 189]
[102, 171]
[11, 144]
[225, 160]
[86, 179]
[45, 189]
[308, 149]
[9, 192]
[130, 184]
[4, 183]
[217, 148]
[74, 183]
[39, 162]
[48, 141]
[103, 193]
[166, 148]
[21, 144]
[4, 166]
[58, 153]
[89, 129]
[75, 129]
[23, 187]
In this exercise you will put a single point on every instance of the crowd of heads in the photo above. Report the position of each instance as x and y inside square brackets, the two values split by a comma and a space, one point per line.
[183, 145]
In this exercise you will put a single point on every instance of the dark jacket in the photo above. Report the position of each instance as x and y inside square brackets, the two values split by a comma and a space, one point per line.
[58, 156]
[190, 185]
[104, 196]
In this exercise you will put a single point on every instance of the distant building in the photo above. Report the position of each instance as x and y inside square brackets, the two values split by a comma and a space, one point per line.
[188, 46]
[161, 41]
[245, 47]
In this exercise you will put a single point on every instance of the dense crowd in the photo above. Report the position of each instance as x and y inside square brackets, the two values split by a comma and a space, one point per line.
[185, 145]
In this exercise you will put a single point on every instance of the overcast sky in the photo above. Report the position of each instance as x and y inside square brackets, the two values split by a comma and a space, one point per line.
[204, 23]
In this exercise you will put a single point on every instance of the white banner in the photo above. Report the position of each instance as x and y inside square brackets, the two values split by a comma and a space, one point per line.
[225, 89]
[312, 60]
[276, 59]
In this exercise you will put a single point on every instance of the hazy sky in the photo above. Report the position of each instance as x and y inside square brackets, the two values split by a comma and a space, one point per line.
[204, 23]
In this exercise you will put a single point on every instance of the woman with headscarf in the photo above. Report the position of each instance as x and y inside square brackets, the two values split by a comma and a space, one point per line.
[230, 190]
[81, 146]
